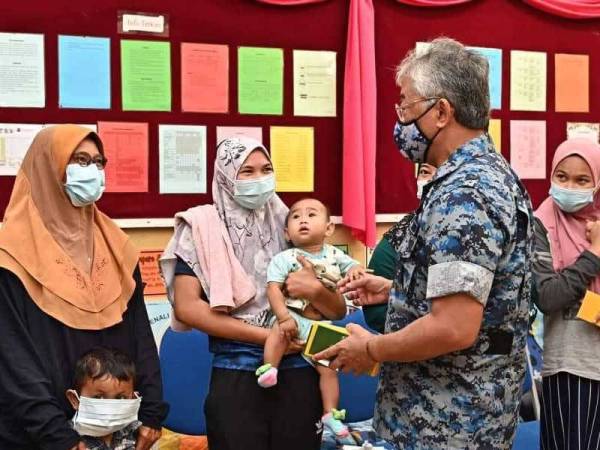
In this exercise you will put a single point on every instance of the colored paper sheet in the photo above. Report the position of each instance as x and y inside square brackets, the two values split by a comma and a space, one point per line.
[572, 83]
[182, 155]
[126, 147]
[228, 132]
[314, 83]
[22, 70]
[83, 72]
[590, 308]
[495, 131]
[584, 130]
[159, 315]
[150, 271]
[528, 148]
[204, 78]
[146, 75]
[527, 81]
[15, 139]
[494, 57]
[292, 153]
[260, 80]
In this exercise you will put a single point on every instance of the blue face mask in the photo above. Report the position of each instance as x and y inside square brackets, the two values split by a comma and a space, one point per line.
[252, 194]
[571, 200]
[84, 185]
[411, 141]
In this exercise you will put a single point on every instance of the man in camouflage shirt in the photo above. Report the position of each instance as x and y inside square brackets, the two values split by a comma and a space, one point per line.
[453, 349]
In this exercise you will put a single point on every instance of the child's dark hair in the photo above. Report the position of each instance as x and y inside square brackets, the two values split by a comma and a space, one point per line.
[100, 362]
[327, 211]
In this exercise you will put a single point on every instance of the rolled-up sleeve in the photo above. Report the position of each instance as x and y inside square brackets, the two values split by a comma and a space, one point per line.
[460, 276]
[464, 245]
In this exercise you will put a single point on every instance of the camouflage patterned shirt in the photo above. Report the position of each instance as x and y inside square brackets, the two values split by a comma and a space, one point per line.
[473, 233]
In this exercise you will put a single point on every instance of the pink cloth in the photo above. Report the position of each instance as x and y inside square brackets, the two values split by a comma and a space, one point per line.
[566, 231]
[360, 123]
[572, 9]
[230, 286]
[289, 2]
[433, 3]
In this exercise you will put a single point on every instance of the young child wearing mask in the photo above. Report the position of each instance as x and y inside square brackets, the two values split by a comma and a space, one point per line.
[106, 406]
[308, 224]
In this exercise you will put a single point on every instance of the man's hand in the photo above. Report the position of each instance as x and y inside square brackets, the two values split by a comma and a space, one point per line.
[304, 282]
[367, 290]
[350, 354]
[146, 437]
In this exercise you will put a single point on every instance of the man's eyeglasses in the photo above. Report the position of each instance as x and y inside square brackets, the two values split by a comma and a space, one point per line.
[85, 159]
[401, 109]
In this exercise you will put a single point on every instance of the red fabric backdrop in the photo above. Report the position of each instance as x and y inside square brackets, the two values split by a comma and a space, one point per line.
[233, 22]
[506, 24]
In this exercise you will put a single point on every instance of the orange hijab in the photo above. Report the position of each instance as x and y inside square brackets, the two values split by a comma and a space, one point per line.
[75, 263]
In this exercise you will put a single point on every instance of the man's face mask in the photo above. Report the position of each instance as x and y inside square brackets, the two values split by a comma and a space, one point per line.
[411, 141]
[84, 185]
[101, 417]
[253, 194]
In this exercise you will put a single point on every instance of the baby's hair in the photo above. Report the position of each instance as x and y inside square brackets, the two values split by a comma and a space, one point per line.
[327, 211]
[100, 362]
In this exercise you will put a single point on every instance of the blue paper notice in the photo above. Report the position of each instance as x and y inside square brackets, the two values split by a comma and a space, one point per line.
[494, 57]
[83, 72]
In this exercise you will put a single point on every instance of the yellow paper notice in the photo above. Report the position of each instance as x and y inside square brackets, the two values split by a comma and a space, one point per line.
[293, 155]
[527, 81]
[590, 308]
[495, 131]
[314, 83]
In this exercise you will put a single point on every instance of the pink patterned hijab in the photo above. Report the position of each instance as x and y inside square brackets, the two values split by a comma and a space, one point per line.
[566, 231]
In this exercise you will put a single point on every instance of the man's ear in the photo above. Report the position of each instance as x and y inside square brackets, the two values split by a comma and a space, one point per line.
[445, 112]
[73, 398]
[330, 229]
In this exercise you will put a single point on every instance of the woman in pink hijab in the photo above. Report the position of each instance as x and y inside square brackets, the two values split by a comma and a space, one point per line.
[567, 265]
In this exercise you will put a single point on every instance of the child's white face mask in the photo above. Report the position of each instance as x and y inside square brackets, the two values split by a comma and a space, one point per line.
[100, 417]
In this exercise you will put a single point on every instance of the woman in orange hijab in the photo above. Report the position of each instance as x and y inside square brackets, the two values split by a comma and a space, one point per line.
[68, 282]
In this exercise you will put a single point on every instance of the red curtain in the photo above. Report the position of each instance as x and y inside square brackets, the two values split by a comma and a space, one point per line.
[360, 123]
[572, 9]
[289, 2]
[433, 3]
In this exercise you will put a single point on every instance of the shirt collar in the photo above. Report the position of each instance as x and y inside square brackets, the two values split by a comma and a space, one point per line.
[469, 151]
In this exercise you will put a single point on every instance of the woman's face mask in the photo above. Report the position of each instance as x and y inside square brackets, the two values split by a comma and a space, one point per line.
[84, 185]
[254, 193]
[101, 417]
[571, 200]
[411, 141]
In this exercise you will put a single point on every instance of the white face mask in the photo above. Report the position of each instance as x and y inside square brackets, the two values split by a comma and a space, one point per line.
[101, 417]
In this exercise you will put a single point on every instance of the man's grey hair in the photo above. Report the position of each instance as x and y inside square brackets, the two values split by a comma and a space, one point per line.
[445, 68]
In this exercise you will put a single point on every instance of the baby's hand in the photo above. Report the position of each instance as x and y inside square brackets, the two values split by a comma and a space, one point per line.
[356, 272]
[289, 328]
